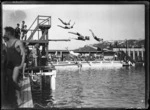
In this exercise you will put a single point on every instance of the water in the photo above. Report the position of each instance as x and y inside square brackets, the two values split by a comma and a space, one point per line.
[97, 88]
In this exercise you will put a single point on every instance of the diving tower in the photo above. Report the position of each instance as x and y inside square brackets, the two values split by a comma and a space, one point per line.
[38, 33]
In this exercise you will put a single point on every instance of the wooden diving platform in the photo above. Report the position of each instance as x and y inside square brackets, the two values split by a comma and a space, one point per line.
[43, 42]
[38, 68]
[25, 100]
[33, 42]
[44, 26]
[49, 71]
[58, 39]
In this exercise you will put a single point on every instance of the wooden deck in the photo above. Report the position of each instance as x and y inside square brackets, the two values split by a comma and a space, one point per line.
[89, 64]
[25, 100]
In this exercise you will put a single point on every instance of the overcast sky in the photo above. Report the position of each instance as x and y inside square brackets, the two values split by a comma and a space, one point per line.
[110, 22]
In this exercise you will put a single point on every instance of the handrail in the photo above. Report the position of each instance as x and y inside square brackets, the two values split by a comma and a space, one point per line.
[44, 16]
[33, 22]
[45, 20]
[33, 30]
[39, 19]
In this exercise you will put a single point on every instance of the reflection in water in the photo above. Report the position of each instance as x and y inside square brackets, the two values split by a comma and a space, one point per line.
[98, 87]
[42, 98]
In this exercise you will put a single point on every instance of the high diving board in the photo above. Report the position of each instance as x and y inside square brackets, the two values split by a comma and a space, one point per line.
[33, 42]
[44, 26]
[58, 39]
[38, 68]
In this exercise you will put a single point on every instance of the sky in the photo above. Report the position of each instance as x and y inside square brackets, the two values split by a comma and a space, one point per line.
[107, 21]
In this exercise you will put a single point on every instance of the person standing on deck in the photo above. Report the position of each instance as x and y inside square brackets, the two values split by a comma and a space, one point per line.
[24, 33]
[17, 32]
[27, 52]
[22, 28]
[36, 54]
[15, 61]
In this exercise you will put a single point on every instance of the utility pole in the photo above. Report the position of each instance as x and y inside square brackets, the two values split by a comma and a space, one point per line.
[126, 46]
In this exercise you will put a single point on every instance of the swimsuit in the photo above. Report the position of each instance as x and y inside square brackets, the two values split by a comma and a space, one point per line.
[13, 57]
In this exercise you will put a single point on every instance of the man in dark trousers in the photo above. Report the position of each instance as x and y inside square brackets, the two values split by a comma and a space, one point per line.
[15, 61]
[22, 29]
[17, 32]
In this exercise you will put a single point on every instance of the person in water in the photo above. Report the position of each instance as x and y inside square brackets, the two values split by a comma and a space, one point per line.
[17, 31]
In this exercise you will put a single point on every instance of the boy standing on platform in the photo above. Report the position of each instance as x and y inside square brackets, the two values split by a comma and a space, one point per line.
[17, 32]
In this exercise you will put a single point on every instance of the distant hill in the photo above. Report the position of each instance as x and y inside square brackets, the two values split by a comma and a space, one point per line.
[113, 44]
[121, 43]
[85, 49]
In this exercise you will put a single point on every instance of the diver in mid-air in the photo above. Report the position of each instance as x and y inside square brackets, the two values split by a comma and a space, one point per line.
[95, 37]
[80, 36]
[65, 23]
[67, 26]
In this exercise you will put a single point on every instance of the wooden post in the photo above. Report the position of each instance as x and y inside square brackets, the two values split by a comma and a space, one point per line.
[51, 76]
[138, 53]
[46, 47]
[129, 52]
[46, 34]
[60, 55]
[142, 54]
[53, 81]
[133, 54]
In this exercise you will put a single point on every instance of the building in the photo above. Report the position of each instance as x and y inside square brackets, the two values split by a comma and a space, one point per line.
[136, 53]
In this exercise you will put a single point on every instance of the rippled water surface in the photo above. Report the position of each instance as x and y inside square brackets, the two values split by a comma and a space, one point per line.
[97, 87]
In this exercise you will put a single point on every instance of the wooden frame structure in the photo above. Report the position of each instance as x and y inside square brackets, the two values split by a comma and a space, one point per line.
[38, 32]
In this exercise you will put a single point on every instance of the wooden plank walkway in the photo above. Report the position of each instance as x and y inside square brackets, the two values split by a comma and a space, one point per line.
[25, 100]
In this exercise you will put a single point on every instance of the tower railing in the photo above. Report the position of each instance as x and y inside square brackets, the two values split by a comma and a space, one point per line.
[34, 29]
